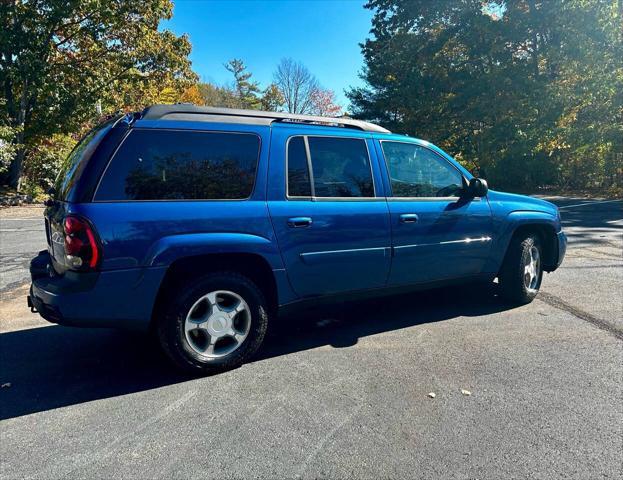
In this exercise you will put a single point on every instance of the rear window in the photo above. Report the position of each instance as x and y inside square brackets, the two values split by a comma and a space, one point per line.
[72, 167]
[181, 165]
[340, 168]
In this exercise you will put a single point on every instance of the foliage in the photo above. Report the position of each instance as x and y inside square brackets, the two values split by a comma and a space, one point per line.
[246, 90]
[527, 92]
[8, 147]
[58, 59]
[272, 98]
[323, 103]
[215, 96]
[43, 161]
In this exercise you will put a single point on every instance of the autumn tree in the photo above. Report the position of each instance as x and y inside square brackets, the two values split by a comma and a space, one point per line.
[58, 59]
[217, 96]
[324, 103]
[272, 98]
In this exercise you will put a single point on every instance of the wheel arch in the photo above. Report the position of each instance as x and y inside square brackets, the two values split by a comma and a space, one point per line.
[252, 265]
[541, 224]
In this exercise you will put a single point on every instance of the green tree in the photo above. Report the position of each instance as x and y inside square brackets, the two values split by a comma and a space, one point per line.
[272, 98]
[526, 91]
[246, 89]
[59, 58]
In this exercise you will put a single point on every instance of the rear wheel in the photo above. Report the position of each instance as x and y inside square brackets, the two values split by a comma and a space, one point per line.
[213, 323]
[522, 271]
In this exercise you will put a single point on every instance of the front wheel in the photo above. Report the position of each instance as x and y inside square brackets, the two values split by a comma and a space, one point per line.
[213, 323]
[522, 270]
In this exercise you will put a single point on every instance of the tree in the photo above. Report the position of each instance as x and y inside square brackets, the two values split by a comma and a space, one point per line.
[297, 85]
[215, 96]
[272, 98]
[526, 91]
[245, 89]
[58, 59]
[323, 103]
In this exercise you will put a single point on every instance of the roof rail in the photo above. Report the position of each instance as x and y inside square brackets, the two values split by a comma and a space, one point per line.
[187, 111]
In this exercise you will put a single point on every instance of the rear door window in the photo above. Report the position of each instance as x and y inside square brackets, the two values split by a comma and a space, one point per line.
[181, 165]
[340, 168]
[299, 184]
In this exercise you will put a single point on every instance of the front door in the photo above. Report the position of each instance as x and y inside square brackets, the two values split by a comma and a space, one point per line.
[436, 233]
[332, 229]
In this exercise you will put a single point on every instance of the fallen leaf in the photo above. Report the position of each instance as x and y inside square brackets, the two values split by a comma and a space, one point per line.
[465, 392]
[432, 395]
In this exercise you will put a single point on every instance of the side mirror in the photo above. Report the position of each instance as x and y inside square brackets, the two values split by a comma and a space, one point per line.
[477, 187]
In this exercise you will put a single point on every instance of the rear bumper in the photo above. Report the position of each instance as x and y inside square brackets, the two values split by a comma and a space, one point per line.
[118, 298]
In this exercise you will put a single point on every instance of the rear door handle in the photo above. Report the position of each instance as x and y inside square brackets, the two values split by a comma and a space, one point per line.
[298, 222]
[408, 218]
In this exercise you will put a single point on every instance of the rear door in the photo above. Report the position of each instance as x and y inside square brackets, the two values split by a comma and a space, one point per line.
[328, 210]
[436, 233]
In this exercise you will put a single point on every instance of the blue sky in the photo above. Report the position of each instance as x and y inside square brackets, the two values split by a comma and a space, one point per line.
[323, 34]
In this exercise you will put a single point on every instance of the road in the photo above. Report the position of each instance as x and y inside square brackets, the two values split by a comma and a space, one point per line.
[341, 392]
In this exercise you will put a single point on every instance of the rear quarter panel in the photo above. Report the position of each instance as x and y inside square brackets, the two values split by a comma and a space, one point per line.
[156, 233]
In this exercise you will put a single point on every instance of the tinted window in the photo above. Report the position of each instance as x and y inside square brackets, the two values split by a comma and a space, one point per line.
[341, 167]
[72, 167]
[298, 171]
[176, 165]
[416, 171]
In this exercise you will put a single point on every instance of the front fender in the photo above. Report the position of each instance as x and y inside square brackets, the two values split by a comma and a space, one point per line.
[508, 225]
[168, 249]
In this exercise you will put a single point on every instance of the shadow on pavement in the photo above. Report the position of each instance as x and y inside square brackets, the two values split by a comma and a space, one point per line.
[51, 367]
[588, 224]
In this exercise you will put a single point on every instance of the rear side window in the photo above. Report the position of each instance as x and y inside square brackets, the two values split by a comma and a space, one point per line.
[181, 165]
[340, 168]
[72, 167]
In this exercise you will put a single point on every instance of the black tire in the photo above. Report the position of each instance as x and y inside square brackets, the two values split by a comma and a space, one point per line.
[170, 325]
[512, 276]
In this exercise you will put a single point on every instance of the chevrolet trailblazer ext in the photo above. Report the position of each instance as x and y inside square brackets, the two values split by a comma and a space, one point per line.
[201, 223]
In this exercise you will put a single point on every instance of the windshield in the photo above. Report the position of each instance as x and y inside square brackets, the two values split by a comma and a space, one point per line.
[72, 167]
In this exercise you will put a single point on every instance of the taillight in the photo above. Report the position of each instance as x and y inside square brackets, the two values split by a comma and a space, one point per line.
[81, 247]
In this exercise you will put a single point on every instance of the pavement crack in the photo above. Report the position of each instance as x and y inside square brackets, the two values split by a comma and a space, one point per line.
[560, 304]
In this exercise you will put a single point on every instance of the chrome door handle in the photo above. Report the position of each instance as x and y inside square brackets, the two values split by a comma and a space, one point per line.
[298, 222]
[408, 218]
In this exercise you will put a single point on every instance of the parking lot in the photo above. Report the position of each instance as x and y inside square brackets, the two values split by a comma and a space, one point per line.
[339, 392]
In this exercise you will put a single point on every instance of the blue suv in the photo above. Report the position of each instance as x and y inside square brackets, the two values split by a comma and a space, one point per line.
[201, 224]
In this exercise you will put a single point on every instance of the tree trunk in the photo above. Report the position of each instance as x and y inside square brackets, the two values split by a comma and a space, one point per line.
[15, 171]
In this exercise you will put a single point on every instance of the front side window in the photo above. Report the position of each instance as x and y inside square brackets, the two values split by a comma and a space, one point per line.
[416, 171]
[340, 167]
[181, 165]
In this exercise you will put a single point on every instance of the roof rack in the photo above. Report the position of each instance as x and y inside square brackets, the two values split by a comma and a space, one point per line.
[188, 111]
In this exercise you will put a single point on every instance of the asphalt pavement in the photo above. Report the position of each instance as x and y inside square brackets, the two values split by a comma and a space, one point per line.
[339, 392]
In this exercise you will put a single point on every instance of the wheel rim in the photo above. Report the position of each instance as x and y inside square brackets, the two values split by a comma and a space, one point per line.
[217, 324]
[532, 269]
